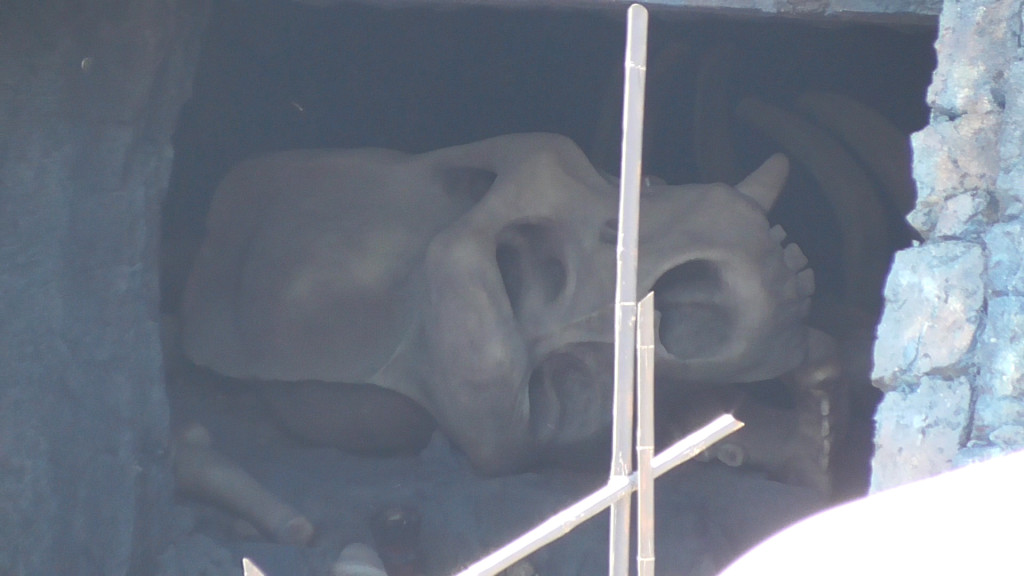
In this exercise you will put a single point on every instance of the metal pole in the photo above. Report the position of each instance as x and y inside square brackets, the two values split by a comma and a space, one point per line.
[626, 276]
[645, 437]
[694, 444]
[616, 489]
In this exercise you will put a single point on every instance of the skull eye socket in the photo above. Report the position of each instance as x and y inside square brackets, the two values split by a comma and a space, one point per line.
[530, 260]
[696, 319]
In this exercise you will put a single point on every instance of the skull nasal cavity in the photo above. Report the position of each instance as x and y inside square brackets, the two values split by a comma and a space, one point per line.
[696, 317]
[532, 265]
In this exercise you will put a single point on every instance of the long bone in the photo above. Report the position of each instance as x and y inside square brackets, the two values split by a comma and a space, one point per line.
[884, 152]
[865, 246]
[847, 187]
[883, 149]
[202, 471]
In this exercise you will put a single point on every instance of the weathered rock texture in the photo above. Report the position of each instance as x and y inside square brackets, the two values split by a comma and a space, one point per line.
[949, 352]
[89, 93]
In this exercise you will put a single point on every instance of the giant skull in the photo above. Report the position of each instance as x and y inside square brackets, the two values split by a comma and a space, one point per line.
[479, 281]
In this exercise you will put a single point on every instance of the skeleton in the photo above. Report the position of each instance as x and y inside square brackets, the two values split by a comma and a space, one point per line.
[860, 164]
[523, 256]
[371, 283]
[477, 281]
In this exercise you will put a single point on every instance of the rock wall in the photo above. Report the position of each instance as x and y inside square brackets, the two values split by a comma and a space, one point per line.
[950, 348]
[89, 94]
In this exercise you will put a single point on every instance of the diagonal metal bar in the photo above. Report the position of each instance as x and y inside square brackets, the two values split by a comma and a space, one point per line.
[249, 568]
[592, 504]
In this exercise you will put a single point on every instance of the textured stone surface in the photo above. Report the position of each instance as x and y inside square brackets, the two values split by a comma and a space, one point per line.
[954, 184]
[999, 413]
[90, 92]
[977, 41]
[933, 304]
[970, 173]
[920, 430]
[1005, 244]
[1010, 184]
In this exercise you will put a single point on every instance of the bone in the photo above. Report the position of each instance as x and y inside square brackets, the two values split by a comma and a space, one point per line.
[765, 184]
[201, 471]
[358, 560]
[374, 267]
[819, 389]
[778, 233]
[805, 282]
[822, 365]
[866, 248]
[794, 257]
[779, 442]
[731, 455]
[885, 151]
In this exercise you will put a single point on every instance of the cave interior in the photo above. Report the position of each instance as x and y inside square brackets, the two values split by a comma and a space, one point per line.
[276, 75]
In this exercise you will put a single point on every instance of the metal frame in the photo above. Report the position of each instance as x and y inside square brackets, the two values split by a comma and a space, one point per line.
[634, 351]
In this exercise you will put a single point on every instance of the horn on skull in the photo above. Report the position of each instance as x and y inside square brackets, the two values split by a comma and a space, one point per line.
[848, 188]
[765, 184]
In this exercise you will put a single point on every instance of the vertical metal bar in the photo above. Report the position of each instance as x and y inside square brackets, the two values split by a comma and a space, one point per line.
[645, 437]
[626, 275]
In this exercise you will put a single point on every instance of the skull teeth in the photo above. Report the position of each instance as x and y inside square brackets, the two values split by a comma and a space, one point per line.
[805, 282]
[794, 257]
[731, 455]
[778, 233]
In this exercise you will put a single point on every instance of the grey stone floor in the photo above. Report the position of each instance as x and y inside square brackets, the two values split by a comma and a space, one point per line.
[706, 513]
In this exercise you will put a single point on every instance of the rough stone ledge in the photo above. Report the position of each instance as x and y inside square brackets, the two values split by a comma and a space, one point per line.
[908, 12]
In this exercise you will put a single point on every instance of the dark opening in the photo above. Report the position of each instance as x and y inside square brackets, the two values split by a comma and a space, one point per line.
[692, 323]
[274, 75]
